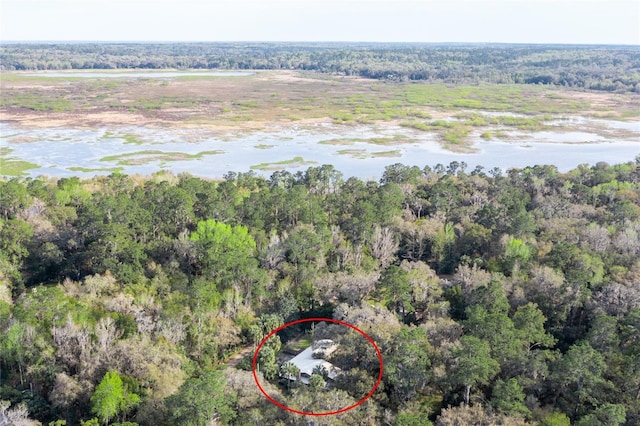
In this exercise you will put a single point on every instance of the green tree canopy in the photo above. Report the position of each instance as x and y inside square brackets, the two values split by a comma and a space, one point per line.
[226, 253]
[201, 400]
[474, 364]
[112, 397]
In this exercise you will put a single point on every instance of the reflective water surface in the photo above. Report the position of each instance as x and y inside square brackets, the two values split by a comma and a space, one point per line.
[58, 151]
[139, 74]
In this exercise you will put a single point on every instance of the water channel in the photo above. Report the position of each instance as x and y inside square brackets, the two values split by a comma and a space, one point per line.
[352, 150]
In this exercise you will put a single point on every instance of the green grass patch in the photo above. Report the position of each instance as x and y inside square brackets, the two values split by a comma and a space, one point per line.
[279, 165]
[12, 166]
[452, 132]
[354, 153]
[439, 126]
[468, 103]
[418, 114]
[129, 138]
[132, 139]
[345, 141]
[299, 344]
[94, 169]
[393, 153]
[608, 115]
[342, 117]
[456, 136]
[524, 123]
[443, 124]
[418, 125]
[147, 156]
[367, 109]
[35, 78]
[36, 101]
[245, 104]
[164, 102]
[524, 99]
[263, 146]
[363, 154]
[382, 140]
[632, 113]
[393, 140]
[241, 118]
[535, 123]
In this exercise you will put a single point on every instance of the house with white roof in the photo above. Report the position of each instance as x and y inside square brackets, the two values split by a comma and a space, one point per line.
[312, 357]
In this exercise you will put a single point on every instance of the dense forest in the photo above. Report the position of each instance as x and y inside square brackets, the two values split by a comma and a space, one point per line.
[610, 68]
[495, 297]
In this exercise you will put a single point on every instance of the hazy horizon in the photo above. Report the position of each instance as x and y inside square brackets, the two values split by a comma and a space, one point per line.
[574, 22]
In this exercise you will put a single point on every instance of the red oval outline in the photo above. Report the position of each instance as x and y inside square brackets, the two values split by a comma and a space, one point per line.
[306, 413]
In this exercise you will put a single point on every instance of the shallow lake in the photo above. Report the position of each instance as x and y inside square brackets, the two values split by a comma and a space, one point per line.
[350, 149]
[139, 74]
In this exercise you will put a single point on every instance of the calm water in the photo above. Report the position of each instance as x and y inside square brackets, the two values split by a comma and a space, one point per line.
[138, 74]
[58, 149]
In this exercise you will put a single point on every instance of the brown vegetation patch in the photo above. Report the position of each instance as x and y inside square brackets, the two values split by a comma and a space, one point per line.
[271, 100]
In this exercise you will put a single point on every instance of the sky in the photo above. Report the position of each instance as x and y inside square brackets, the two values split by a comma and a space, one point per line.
[501, 21]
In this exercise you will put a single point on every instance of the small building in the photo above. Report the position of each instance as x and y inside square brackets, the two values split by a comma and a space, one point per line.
[312, 357]
[323, 348]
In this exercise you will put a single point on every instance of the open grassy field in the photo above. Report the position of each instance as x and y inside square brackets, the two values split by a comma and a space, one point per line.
[281, 98]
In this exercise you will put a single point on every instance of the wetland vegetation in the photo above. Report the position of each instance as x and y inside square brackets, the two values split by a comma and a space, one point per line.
[11, 166]
[363, 153]
[454, 115]
[281, 165]
[142, 157]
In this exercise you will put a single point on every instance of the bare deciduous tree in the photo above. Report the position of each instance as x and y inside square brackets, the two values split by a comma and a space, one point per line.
[476, 415]
[628, 240]
[471, 277]
[16, 416]
[615, 299]
[384, 245]
[67, 390]
[106, 335]
[272, 255]
[597, 237]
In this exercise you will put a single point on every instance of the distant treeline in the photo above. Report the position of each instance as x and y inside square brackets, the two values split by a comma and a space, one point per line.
[608, 68]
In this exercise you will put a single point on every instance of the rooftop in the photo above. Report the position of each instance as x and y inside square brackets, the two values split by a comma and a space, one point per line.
[306, 362]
